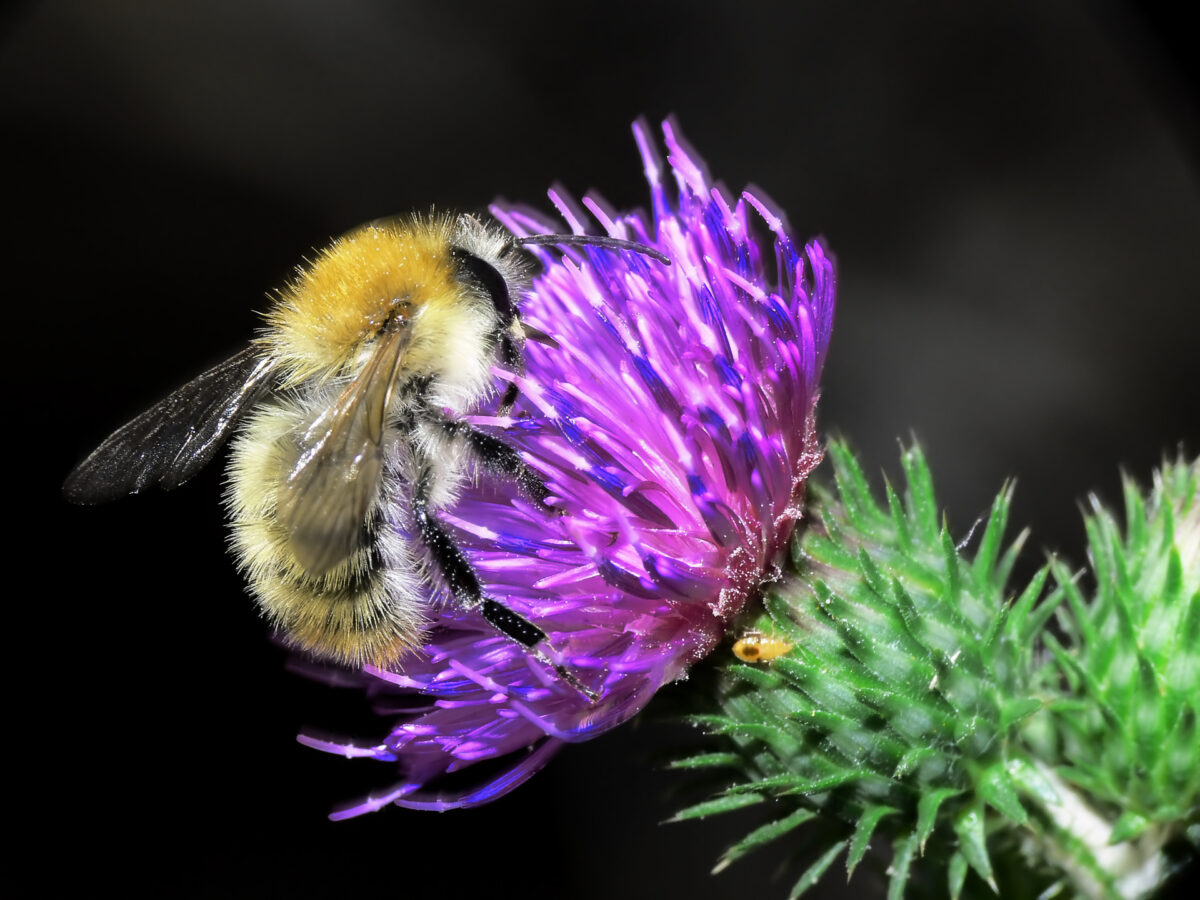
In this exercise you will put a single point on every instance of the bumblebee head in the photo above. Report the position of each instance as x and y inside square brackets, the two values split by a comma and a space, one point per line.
[486, 256]
[485, 262]
[455, 281]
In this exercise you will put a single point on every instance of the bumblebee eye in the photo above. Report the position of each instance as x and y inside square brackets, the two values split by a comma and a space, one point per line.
[485, 275]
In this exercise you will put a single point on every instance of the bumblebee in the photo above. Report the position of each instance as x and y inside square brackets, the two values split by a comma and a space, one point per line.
[349, 438]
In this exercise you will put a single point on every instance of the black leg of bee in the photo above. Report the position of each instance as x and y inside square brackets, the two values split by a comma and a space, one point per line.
[464, 584]
[508, 622]
[498, 457]
[510, 355]
[460, 575]
[509, 399]
[447, 557]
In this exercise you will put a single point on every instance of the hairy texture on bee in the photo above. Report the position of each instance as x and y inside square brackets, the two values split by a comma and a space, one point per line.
[369, 608]
[378, 342]
[392, 274]
[349, 438]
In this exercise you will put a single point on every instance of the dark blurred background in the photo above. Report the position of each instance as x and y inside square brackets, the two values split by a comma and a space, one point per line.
[1011, 190]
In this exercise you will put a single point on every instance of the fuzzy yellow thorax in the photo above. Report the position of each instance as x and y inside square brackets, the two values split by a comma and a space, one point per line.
[321, 319]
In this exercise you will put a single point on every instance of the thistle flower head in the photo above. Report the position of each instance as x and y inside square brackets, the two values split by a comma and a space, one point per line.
[673, 423]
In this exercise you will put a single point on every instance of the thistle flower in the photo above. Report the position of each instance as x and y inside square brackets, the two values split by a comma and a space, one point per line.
[674, 425]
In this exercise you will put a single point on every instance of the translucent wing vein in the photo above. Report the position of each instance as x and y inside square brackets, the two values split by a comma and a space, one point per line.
[170, 442]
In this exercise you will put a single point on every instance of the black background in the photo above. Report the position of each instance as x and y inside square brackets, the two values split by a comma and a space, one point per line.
[1011, 192]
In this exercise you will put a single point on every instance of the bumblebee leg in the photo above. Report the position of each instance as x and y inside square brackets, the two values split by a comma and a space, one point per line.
[509, 399]
[453, 564]
[513, 356]
[501, 459]
[464, 584]
[510, 355]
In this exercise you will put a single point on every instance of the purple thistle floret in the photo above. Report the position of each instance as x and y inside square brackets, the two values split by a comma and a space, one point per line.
[674, 426]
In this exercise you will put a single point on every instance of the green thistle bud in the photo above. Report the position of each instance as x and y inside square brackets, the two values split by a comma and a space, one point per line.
[910, 698]
[898, 708]
[1124, 738]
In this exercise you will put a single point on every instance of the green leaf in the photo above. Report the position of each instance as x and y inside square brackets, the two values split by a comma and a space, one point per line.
[851, 482]
[969, 826]
[1013, 711]
[1031, 781]
[1028, 622]
[707, 761]
[779, 608]
[1189, 631]
[712, 723]
[1166, 525]
[814, 872]
[927, 809]
[1172, 588]
[761, 731]
[903, 850]
[716, 806]
[1078, 624]
[1145, 725]
[1128, 827]
[907, 609]
[996, 787]
[1135, 512]
[853, 490]
[1096, 693]
[807, 786]
[871, 574]
[953, 571]
[991, 643]
[922, 503]
[757, 677]
[912, 758]
[1003, 570]
[861, 840]
[1125, 616]
[763, 835]
[899, 520]
[993, 534]
[772, 784]
[956, 874]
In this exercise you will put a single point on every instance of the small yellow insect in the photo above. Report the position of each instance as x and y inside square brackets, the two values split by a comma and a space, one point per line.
[757, 647]
[347, 410]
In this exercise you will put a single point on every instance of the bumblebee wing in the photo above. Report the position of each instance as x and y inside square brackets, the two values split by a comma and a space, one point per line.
[330, 491]
[175, 438]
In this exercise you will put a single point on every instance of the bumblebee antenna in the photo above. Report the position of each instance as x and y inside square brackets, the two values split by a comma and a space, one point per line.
[592, 240]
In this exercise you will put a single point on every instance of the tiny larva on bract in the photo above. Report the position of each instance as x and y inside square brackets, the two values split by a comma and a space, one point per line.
[759, 647]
